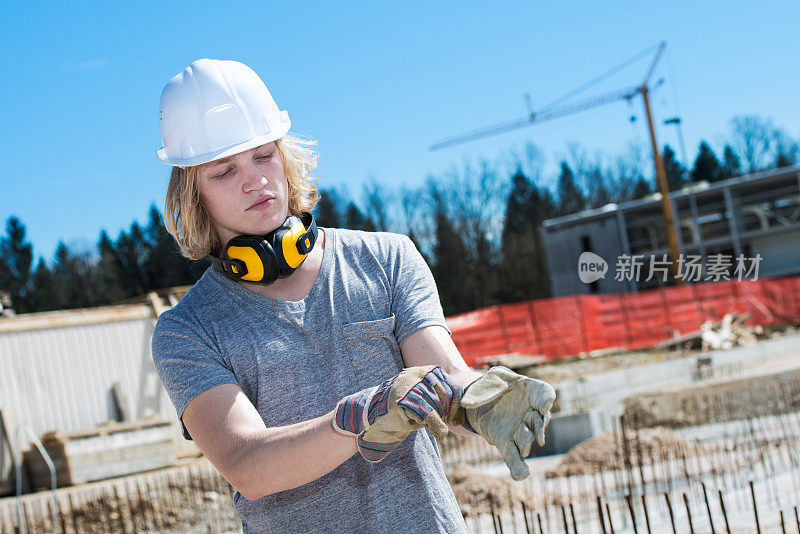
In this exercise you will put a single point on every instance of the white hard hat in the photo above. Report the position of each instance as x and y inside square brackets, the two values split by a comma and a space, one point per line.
[214, 109]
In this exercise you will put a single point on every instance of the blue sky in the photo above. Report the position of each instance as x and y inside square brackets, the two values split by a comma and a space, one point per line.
[375, 86]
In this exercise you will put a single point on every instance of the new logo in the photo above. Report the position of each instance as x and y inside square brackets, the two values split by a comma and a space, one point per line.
[591, 267]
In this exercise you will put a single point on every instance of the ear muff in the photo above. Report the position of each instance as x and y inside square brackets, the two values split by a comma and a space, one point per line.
[284, 243]
[262, 259]
[258, 256]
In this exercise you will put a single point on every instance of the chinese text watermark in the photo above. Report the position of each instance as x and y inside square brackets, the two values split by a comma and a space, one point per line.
[592, 267]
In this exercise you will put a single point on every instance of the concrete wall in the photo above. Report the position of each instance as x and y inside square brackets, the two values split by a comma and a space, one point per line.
[565, 244]
[566, 431]
[780, 253]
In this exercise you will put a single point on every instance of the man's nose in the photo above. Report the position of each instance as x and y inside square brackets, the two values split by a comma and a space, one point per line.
[254, 179]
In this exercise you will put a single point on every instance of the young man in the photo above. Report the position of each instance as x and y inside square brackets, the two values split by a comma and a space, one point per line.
[301, 346]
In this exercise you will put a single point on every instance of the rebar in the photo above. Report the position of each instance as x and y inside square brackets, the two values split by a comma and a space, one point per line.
[600, 514]
[688, 513]
[633, 516]
[755, 507]
[671, 514]
[610, 521]
[724, 512]
[708, 508]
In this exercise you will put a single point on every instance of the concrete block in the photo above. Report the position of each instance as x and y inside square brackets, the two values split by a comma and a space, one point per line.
[566, 431]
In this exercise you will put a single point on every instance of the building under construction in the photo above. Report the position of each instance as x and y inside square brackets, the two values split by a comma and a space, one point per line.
[750, 215]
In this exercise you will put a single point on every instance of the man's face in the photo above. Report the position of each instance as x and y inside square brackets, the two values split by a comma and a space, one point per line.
[246, 193]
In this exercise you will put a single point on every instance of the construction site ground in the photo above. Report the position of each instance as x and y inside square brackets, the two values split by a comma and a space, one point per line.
[580, 367]
[193, 497]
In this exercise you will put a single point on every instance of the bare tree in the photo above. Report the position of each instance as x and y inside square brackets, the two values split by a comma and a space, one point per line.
[753, 138]
[477, 196]
[378, 203]
[633, 174]
[529, 161]
[590, 175]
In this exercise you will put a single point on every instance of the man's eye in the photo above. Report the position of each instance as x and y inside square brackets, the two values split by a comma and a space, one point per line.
[224, 174]
[268, 156]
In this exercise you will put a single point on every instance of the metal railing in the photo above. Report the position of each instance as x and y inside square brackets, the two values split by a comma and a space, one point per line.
[18, 464]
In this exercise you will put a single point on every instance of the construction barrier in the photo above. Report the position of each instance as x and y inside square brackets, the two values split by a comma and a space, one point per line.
[567, 326]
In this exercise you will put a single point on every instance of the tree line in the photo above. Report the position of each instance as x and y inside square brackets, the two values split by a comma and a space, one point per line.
[478, 226]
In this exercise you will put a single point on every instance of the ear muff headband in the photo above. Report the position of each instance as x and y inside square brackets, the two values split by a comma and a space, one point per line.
[262, 259]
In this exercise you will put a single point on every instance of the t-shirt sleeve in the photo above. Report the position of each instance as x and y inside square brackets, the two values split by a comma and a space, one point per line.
[415, 300]
[187, 364]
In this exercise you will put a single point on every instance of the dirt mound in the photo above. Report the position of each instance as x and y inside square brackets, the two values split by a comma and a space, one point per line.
[477, 493]
[606, 452]
[717, 402]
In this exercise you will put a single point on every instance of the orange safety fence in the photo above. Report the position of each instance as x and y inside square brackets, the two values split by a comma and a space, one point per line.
[566, 326]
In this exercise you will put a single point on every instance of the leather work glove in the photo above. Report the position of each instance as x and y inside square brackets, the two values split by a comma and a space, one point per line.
[382, 417]
[510, 411]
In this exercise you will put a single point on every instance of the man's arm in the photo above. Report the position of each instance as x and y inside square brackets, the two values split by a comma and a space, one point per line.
[432, 345]
[257, 460]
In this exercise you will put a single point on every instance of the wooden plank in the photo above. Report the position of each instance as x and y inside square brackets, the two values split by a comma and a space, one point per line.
[115, 451]
[156, 303]
[79, 317]
[84, 461]
[108, 429]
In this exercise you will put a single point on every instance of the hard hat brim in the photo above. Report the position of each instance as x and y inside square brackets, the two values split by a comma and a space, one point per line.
[282, 130]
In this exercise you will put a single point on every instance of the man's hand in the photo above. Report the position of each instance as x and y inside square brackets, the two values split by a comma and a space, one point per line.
[509, 411]
[383, 416]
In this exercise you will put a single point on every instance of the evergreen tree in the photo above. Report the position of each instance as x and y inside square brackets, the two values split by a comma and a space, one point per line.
[17, 256]
[641, 189]
[674, 169]
[730, 163]
[786, 148]
[6, 277]
[164, 266]
[354, 219]
[413, 237]
[570, 197]
[47, 294]
[523, 270]
[451, 269]
[706, 165]
[326, 212]
[75, 277]
[783, 160]
[599, 193]
[131, 250]
[484, 271]
[110, 287]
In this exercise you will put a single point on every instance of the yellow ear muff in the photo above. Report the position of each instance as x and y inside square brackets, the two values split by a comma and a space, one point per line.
[255, 267]
[293, 256]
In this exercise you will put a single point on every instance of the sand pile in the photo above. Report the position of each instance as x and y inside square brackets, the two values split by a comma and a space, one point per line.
[478, 493]
[606, 452]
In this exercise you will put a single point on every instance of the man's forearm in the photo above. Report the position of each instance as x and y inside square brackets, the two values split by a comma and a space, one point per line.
[282, 458]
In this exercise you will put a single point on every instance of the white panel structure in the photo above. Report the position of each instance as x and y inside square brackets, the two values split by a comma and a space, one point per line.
[57, 370]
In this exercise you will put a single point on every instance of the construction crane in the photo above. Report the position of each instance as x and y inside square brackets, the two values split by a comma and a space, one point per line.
[551, 112]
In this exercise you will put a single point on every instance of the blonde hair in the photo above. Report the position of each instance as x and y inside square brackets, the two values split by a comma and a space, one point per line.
[190, 223]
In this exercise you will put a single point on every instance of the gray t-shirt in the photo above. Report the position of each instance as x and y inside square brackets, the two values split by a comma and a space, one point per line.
[296, 360]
